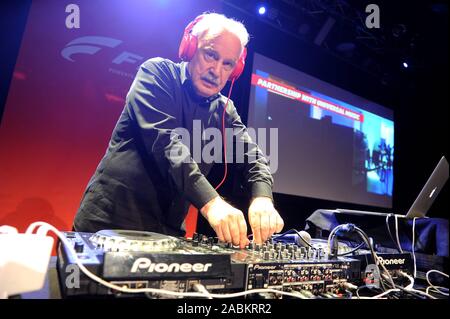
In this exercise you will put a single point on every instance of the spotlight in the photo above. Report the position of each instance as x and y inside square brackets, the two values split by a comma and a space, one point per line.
[405, 65]
[262, 10]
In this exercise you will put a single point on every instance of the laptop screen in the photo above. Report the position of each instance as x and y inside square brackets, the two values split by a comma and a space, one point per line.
[430, 191]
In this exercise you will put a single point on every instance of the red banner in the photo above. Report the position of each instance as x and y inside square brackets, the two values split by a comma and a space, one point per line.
[66, 95]
[292, 93]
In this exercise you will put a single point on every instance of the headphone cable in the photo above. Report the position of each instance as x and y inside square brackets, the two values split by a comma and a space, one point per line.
[224, 137]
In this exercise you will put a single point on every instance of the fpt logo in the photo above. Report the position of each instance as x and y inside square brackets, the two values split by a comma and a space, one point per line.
[87, 45]
[91, 45]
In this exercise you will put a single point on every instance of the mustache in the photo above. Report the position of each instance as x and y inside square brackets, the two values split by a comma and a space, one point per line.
[211, 78]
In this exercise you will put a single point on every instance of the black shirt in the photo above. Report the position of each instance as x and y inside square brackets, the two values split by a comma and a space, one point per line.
[148, 177]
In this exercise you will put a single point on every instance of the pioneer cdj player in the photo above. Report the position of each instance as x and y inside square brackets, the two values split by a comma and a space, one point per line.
[137, 259]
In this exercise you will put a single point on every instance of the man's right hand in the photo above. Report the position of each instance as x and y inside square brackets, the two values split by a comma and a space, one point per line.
[227, 221]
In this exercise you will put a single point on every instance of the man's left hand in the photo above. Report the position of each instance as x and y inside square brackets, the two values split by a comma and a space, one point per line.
[264, 219]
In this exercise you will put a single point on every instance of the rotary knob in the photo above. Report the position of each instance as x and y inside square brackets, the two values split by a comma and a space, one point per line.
[303, 252]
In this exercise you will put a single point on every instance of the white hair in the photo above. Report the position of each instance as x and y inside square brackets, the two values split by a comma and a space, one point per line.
[213, 24]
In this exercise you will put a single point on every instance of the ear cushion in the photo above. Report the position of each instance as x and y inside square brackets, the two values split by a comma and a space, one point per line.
[188, 47]
[189, 42]
[240, 64]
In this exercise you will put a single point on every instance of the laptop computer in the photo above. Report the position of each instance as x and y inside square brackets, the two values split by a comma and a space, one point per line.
[426, 196]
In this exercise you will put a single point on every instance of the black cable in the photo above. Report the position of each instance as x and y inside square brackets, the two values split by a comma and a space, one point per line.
[352, 251]
[348, 252]
[411, 292]
[375, 260]
[351, 228]
[363, 235]
[296, 231]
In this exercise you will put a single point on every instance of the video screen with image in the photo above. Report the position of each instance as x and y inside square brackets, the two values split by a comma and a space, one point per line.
[332, 144]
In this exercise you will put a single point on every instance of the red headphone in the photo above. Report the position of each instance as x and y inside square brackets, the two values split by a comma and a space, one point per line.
[189, 44]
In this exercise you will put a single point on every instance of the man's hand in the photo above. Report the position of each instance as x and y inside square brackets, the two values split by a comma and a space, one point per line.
[264, 219]
[227, 221]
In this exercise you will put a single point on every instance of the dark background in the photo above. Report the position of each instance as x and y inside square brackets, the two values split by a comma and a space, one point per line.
[418, 95]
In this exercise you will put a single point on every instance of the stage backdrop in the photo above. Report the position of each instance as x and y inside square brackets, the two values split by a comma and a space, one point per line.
[67, 91]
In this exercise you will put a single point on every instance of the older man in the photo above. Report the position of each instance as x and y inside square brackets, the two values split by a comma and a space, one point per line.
[142, 183]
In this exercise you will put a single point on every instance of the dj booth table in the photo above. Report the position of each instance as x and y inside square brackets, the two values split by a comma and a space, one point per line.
[431, 242]
[431, 236]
